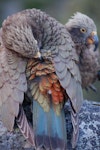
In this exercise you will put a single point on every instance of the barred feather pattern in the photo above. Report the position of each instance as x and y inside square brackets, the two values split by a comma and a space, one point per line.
[25, 127]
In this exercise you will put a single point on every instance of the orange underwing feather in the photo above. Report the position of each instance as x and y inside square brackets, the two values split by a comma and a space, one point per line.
[48, 80]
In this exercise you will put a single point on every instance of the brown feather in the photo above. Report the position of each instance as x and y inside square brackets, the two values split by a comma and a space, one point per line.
[25, 127]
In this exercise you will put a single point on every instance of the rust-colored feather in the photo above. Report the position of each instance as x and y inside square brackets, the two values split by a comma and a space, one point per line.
[48, 80]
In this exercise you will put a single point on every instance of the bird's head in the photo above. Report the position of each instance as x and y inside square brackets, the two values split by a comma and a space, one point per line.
[83, 31]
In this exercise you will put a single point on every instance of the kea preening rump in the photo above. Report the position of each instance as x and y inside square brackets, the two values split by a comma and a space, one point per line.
[41, 59]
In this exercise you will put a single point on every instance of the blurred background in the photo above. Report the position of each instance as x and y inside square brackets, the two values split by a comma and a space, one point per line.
[61, 10]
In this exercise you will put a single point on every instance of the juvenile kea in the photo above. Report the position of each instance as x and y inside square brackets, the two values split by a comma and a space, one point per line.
[40, 57]
[84, 34]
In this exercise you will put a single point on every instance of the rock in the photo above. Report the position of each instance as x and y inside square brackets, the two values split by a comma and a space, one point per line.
[89, 135]
[89, 138]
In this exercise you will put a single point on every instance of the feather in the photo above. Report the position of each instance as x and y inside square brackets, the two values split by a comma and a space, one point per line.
[75, 123]
[25, 127]
[49, 128]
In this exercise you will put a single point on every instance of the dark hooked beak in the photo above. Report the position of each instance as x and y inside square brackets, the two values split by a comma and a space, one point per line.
[93, 39]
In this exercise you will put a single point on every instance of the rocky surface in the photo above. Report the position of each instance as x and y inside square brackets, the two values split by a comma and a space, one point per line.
[89, 138]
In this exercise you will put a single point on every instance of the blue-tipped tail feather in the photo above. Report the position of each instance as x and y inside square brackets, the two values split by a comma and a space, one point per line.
[49, 128]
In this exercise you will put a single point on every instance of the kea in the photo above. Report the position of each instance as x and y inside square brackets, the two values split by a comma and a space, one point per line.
[41, 60]
[83, 30]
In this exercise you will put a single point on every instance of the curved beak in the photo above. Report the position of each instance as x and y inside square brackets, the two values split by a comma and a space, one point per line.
[93, 39]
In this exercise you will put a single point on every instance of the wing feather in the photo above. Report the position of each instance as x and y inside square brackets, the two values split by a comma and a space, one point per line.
[12, 85]
[69, 75]
[70, 79]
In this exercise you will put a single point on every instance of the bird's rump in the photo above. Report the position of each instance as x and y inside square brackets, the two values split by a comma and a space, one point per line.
[48, 100]
[43, 84]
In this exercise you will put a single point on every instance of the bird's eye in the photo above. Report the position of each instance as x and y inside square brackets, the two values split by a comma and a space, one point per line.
[83, 30]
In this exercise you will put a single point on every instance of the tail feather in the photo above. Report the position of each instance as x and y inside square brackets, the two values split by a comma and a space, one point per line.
[25, 127]
[75, 123]
[49, 128]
